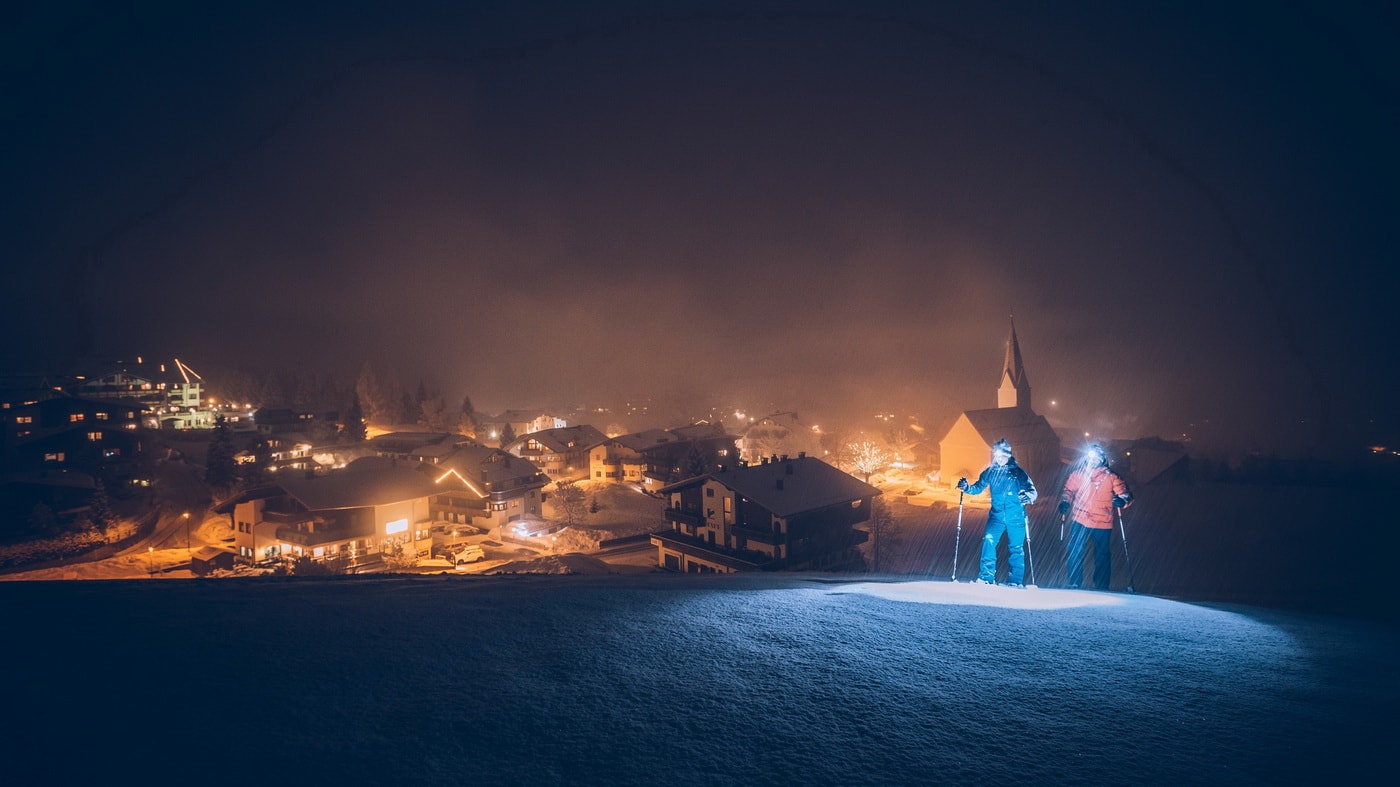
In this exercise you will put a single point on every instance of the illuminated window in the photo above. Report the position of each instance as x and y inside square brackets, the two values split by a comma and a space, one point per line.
[101, 416]
[73, 418]
[53, 456]
[498, 506]
[94, 436]
[396, 526]
[24, 419]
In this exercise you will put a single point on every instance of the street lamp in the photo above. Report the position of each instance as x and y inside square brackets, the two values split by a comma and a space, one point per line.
[151, 561]
[186, 516]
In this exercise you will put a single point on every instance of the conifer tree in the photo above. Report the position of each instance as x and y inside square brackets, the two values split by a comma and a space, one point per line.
[353, 424]
[100, 510]
[219, 468]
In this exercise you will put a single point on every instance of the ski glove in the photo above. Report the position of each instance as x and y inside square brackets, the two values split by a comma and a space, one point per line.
[962, 484]
[1064, 508]
[1119, 501]
[1024, 498]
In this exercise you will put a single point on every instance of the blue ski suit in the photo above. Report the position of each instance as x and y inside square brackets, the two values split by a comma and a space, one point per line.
[1008, 517]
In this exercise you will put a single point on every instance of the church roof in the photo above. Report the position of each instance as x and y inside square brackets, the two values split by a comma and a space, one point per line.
[1019, 425]
[1013, 367]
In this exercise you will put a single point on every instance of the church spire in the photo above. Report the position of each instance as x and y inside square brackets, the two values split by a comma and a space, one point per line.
[1015, 390]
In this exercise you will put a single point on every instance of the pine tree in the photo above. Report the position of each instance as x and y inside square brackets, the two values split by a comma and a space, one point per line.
[467, 422]
[219, 467]
[507, 434]
[100, 509]
[353, 423]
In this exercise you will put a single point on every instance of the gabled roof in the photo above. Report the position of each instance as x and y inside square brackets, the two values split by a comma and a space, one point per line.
[565, 438]
[1018, 425]
[645, 440]
[369, 481]
[807, 484]
[488, 466]
[413, 442]
[699, 431]
[516, 416]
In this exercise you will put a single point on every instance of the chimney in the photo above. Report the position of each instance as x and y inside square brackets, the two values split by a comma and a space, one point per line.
[801, 454]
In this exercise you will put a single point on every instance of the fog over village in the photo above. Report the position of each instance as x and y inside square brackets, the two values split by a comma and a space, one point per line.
[699, 392]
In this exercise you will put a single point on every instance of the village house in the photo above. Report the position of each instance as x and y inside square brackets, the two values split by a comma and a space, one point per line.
[349, 518]
[781, 514]
[171, 395]
[652, 458]
[561, 452]
[520, 423]
[626, 458]
[778, 434]
[489, 489]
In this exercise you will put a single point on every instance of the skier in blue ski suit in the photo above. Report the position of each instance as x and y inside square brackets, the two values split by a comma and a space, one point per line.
[1011, 491]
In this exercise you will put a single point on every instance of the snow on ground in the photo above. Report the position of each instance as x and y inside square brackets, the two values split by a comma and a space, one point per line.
[683, 679]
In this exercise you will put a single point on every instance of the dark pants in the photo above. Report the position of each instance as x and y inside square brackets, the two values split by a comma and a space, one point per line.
[1079, 538]
[1014, 528]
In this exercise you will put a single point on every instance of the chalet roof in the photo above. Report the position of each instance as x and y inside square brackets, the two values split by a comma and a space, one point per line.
[368, 481]
[645, 439]
[412, 442]
[807, 484]
[699, 431]
[490, 466]
[566, 438]
[516, 416]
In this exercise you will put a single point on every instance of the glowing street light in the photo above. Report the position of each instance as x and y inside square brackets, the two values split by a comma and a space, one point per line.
[186, 517]
[151, 561]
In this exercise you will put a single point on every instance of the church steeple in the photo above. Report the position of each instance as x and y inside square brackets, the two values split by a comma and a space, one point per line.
[1015, 390]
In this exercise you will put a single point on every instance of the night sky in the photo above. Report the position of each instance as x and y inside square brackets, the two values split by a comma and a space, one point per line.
[1190, 210]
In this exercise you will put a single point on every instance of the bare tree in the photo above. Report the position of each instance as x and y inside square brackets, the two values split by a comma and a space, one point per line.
[568, 499]
[902, 444]
[882, 533]
[868, 457]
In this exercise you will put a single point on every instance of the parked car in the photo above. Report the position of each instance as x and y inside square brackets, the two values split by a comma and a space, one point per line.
[469, 554]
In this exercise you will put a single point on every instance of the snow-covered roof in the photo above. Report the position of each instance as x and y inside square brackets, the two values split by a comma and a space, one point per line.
[565, 438]
[645, 440]
[1019, 425]
[369, 481]
[789, 486]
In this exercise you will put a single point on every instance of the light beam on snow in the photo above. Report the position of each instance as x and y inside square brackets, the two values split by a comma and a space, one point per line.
[969, 594]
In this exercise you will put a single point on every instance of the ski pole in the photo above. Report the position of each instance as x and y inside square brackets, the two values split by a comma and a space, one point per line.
[957, 538]
[1062, 527]
[1126, 556]
[1030, 563]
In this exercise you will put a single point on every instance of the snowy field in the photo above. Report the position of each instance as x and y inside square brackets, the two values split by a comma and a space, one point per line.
[675, 679]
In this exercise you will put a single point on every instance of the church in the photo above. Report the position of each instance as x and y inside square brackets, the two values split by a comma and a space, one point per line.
[967, 446]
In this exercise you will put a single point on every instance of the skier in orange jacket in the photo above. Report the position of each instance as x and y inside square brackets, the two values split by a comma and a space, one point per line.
[1091, 494]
